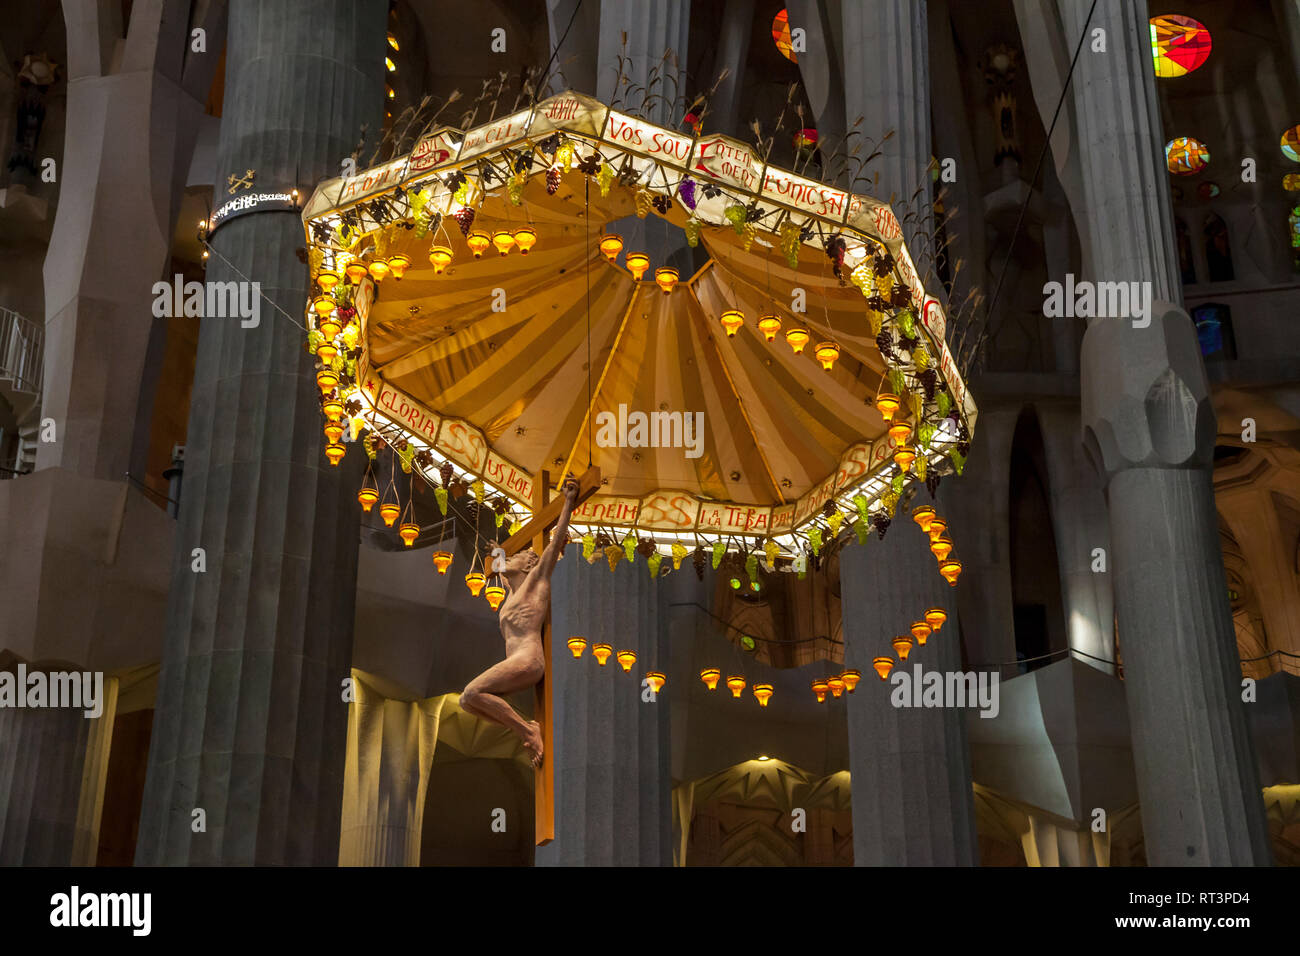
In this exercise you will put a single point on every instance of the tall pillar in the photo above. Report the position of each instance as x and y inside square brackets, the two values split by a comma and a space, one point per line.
[390, 751]
[910, 766]
[612, 782]
[250, 726]
[1149, 426]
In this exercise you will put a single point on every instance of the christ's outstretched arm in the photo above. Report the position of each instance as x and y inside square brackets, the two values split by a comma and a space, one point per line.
[560, 536]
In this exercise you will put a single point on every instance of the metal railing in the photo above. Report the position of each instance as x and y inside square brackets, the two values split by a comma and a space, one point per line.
[22, 352]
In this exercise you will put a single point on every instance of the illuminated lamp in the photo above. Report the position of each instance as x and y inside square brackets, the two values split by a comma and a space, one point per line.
[388, 62]
[900, 432]
[883, 665]
[475, 581]
[327, 279]
[611, 246]
[732, 320]
[378, 269]
[439, 258]
[333, 409]
[389, 511]
[769, 325]
[334, 432]
[836, 684]
[736, 685]
[398, 265]
[797, 338]
[408, 532]
[851, 678]
[950, 569]
[637, 264]
[392, 41]
[820, 687]
[329, 326]
[327, 379]
[525, 239]
[442, 561]
[666, 278]
[495, 594]
[764, 693]
[356, 271]
[503, 241]
[601, 652]
[626, 659]
[368, 494]
[904, 456]
[478, 243]
[335, 453]
[921, 631]
[937, 527]
[887, 404]
[576, 646]
[902, 646]
[324, 305]
[710, 676]
[923, 516]
[827, 353]
[941, 547]
[656, 680]
[935, 617]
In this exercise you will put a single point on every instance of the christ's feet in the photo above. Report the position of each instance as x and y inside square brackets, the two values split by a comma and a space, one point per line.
[533, 742]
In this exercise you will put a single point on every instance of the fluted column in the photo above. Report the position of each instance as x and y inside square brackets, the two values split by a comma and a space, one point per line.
[390, 751]
[910, 767]
[1149, 426]
[612, 782]
[250, 725]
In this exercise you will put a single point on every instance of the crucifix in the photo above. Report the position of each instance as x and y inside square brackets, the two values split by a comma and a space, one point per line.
[526, 626]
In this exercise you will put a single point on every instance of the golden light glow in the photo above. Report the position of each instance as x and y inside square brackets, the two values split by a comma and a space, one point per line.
[732, 320]
[711, 676]
[923, 516]
[367, 496]
[398, 265]
[883, 665]
[327, 279]
[941, 547]
[626, 659]
[666, 278]
[769, 325]
[356, 271]
[836, 684]
[937, 527]
[388, 62]
[900, 432]
[827, 353]
[408, 532]
[504, 241]
[601, 652]
[474, 579]
[904, 456]
[328, 380]
[637, 264]
[887, 404]
[334, 432]
[851, 678]
[736, 685]
[392, 41]
[329, 326]
[324, 305]
[820, 687]
[525, 239]
[921, 631]
[442, 561]
[950, 569]
[478, 243]
[327, 351]
[576, 646]
[335, 453]
[902, 646]
[764, 693]
[656, 680]
[378, 269]
[611, 246]
[439, 257]
[333, 409]
[797, 338]
[389, 511]
[495, 594]
[935, 617]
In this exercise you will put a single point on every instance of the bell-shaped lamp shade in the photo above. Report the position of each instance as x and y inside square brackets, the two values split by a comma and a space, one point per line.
[408, 532]
[941, 547]
[637, 264]
[601, 652]
[389, 511]
[900, 432]
[327, 351]
[327, 379]
[711, 676]
[836, 684]
[666, 278]
[736, 684]
[576, 646]
[937, 527]
[883, 665]
[442, 561]
[902, 647]
[439, 258]
[327, 279]
[887, 404]
[903, 457]
[355, 271]
[335, 453]
[731, 321]
[769, 325]
[656, 680]
[820, 687]
[625, 660]
[611, 246]
[475, 582]
[367, 497]
[935, 618]
[764, 693]
[334, 432]
[495, 594]
[923, 516]
[851, 678]
[950, 568]
[378, 269]
[324, 305]
[921, 631]
[504, 241]
[525, 239]
[398, 265]
[333, 409]
[797, 338]
[478, 243]
[827, 353]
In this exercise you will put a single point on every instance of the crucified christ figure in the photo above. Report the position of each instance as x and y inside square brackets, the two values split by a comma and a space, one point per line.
[528, 598]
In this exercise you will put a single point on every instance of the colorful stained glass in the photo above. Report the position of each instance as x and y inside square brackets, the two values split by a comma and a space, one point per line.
[1185, 156]
[1178, 44]
[1291, 144]
[1291, 182]
[1207, 190]
[781, 36]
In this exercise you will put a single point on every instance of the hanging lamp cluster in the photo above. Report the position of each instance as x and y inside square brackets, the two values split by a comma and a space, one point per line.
[836, 684]
[921, 631]
[736, 683]
[940, 544]
[626, 659]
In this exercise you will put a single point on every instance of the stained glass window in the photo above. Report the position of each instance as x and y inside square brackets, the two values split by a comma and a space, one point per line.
[1185, 156]
[781, 36]
[1291, 144]
[1178, 44]
[1291, 182]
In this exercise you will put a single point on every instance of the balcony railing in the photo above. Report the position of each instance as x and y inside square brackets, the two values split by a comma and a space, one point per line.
[22, 348]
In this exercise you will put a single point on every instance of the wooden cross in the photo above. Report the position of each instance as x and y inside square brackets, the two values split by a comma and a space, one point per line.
[536, 533]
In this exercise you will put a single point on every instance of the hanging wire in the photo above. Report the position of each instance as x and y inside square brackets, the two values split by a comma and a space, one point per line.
[586, 228]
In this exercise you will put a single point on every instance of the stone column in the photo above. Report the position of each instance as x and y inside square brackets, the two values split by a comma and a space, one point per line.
[612, 783]
[910, 767]
[390, 751]
[250, 725]
[1149, 426]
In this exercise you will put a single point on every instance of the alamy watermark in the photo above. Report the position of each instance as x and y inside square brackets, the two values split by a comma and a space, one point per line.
[209, 300]
[1098, 300]
[923, 688]
[662, 429]
[75, 908]
[77, 690]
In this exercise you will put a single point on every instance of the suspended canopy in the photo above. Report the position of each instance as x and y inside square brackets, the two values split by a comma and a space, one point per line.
[497, 368]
